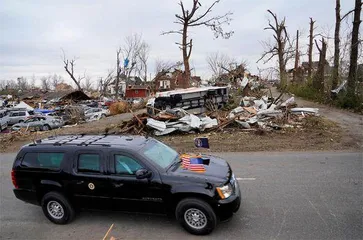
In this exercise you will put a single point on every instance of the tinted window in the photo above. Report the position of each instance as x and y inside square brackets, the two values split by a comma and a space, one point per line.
[125, 165]
[89, 163]
[14, 114]
[160, 153]
[31, 120]
[21, 113]
[43, 160]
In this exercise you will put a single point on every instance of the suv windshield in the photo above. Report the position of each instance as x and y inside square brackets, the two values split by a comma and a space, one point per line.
[160, 153]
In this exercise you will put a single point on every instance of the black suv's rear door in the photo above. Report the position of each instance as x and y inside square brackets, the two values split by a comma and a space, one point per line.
[89, 184]
[129, 193]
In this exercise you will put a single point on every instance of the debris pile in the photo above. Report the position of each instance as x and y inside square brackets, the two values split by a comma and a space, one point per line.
[252, 114]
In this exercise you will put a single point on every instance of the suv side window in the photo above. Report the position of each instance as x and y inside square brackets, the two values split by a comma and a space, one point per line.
[43, 160]
[89, 163]
[125, 165]
[14, 114]
[21, 113]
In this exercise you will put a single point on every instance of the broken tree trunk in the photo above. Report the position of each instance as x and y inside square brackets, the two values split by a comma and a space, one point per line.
[311, 43]
[335, 73]
[318, 80]
[296, 71]
[352, 78]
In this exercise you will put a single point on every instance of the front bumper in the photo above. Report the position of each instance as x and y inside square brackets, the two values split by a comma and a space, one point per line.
[226, 207]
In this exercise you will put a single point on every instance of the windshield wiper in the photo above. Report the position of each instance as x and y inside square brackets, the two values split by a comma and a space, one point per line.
[178, 160]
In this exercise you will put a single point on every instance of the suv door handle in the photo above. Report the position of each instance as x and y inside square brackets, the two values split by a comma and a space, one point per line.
[118, 185]
[80, 182]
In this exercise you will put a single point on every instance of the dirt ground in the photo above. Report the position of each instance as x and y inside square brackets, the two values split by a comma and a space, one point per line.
[336, 130]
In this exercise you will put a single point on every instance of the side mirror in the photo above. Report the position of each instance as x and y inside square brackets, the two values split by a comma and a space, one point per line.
[143, 173]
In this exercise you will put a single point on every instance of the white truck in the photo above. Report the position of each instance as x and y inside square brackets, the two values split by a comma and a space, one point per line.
[191, 99]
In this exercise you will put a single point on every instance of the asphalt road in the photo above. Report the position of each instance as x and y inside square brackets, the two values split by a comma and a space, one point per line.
[285, 196]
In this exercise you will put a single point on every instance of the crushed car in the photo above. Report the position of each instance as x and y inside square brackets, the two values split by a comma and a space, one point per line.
[41, 123]
[93, 114]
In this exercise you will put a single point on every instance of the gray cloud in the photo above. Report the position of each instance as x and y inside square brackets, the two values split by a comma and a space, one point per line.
[33, 32]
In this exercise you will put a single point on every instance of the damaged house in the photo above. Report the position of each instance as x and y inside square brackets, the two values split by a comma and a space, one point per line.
[166, 81]
[35, 97]
[302, 71]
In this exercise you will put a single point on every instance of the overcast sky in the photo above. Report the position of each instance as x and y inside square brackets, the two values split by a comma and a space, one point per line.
[32, 33]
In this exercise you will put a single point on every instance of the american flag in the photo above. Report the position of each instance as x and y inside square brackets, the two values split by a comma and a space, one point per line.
[196, 167]
[185, 161]
[196, 164]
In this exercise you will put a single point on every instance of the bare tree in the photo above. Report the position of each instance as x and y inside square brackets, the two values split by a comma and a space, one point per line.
[56, 79]
[22, 83]
[131, 53]
[8, 84]
[104, 83]
[297, 57]
[352, 78]
[87, 84]
[32, 81]
[69, 67]
[166, 66]
[135, 54]
[2, 84]
[192, 18]
[143, 58]
[338, 20]
[282, 48]
[217, 62]
[311, 46]
[45, 82]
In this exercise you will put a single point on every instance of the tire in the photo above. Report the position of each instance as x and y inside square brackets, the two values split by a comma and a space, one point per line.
[200, 209]
[46, 127]
[63, 213]
[103, 116]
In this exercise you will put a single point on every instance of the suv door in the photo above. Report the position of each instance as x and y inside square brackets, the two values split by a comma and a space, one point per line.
[129, 193]
[89, 184]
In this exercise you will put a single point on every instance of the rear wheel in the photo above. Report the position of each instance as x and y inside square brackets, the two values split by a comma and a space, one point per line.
[57, 208]
[46, 127]
[196, 216]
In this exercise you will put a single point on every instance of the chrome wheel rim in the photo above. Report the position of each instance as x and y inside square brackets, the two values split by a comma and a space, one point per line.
[55, 209]
[195, 218]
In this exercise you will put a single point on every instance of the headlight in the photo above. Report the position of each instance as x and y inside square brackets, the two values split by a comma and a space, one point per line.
[225, 191]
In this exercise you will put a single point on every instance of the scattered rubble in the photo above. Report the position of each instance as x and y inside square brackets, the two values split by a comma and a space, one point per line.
[253, 113]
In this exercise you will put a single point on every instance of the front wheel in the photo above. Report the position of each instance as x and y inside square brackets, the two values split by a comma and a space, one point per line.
[57, 208]
[196, 216]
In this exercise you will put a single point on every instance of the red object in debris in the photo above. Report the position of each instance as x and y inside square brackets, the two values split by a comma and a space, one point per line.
[109, 103]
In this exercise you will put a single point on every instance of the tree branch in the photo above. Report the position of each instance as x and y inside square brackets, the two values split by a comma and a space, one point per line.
[172, 32]
[341, 19]
[204, 14]
[317, 45]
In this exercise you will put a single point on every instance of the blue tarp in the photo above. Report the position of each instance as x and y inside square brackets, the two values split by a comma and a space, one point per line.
[45, 111]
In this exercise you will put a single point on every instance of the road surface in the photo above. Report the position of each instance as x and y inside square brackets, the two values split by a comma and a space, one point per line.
[284, 196]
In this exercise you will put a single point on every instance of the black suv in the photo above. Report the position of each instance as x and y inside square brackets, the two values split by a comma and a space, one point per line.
[129, 173]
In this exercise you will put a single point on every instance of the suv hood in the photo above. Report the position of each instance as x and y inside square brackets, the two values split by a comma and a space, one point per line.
[218, 171]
